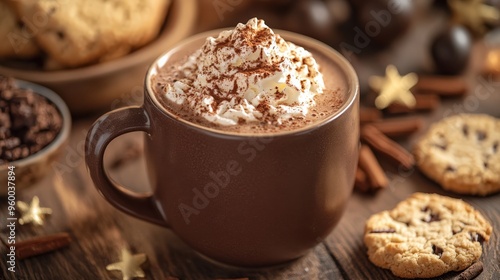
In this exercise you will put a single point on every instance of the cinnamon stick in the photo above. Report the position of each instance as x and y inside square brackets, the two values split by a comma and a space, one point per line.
[381, 143]
[41, 245]
[471, 272]
[361, 181]
[424, 102]
[374, 172]
[442, 85]
[399, 127]
[367, 114]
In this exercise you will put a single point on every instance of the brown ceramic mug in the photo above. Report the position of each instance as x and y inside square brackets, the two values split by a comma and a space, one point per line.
[244, 200]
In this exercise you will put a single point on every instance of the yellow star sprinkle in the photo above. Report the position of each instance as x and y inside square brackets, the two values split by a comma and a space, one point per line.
[393, 88]
[130, 265]
[32, 213]
[474, 13]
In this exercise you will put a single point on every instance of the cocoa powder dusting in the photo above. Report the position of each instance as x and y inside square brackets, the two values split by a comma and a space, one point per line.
[253, 70]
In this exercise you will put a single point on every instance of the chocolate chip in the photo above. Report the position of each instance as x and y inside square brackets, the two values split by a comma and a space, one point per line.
[431, 218]
[495, 147]
[440, 146]
[485, 164]
[52, 10]
[476, 237]
[389, 230]
[465, 130]
[20, 24]
[481, 135]
[60, 35]
[450, 168]
[437, 251]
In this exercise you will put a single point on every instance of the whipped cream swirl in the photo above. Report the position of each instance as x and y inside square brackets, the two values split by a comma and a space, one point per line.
[249, 74]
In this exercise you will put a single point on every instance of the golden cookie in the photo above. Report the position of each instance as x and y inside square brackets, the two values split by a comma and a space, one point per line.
[18, 40]
[76, 33]
[462, 154]
[426, 236]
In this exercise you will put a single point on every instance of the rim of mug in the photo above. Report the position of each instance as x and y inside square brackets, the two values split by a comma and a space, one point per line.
[301, 40]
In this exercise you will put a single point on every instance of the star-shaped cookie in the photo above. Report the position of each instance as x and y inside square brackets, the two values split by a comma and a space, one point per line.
[32, 213]
[393, 88]
[130, 265]
[474, 14]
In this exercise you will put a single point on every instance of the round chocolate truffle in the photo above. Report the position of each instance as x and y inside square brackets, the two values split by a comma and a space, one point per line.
[451, 50]
[385, 20]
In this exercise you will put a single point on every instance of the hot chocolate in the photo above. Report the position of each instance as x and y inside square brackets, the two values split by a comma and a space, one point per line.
[236, 170]
[250, 80]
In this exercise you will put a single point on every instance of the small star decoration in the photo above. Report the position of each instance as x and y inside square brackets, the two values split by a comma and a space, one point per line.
[393, 88]
[474, 13]
[130, 265]
[32, 213]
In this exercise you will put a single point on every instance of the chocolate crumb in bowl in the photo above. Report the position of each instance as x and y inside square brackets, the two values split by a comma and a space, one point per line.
[29, 121]
[34, 127]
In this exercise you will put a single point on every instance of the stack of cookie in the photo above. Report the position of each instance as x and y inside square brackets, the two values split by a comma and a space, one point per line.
[70, 34]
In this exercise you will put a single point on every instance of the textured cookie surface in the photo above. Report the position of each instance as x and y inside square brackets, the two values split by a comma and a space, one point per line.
[426, 236]
[17, 42]
[462, 153]
[75, 33]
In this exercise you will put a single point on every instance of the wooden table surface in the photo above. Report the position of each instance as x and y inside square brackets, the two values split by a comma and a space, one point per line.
[99, 231]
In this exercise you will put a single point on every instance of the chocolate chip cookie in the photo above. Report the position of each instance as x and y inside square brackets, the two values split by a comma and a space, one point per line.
[75, 33]
[17, 41]
[462, 154]
[426, 236]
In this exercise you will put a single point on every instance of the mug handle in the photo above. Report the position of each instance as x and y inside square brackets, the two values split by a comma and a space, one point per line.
[101, 133]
